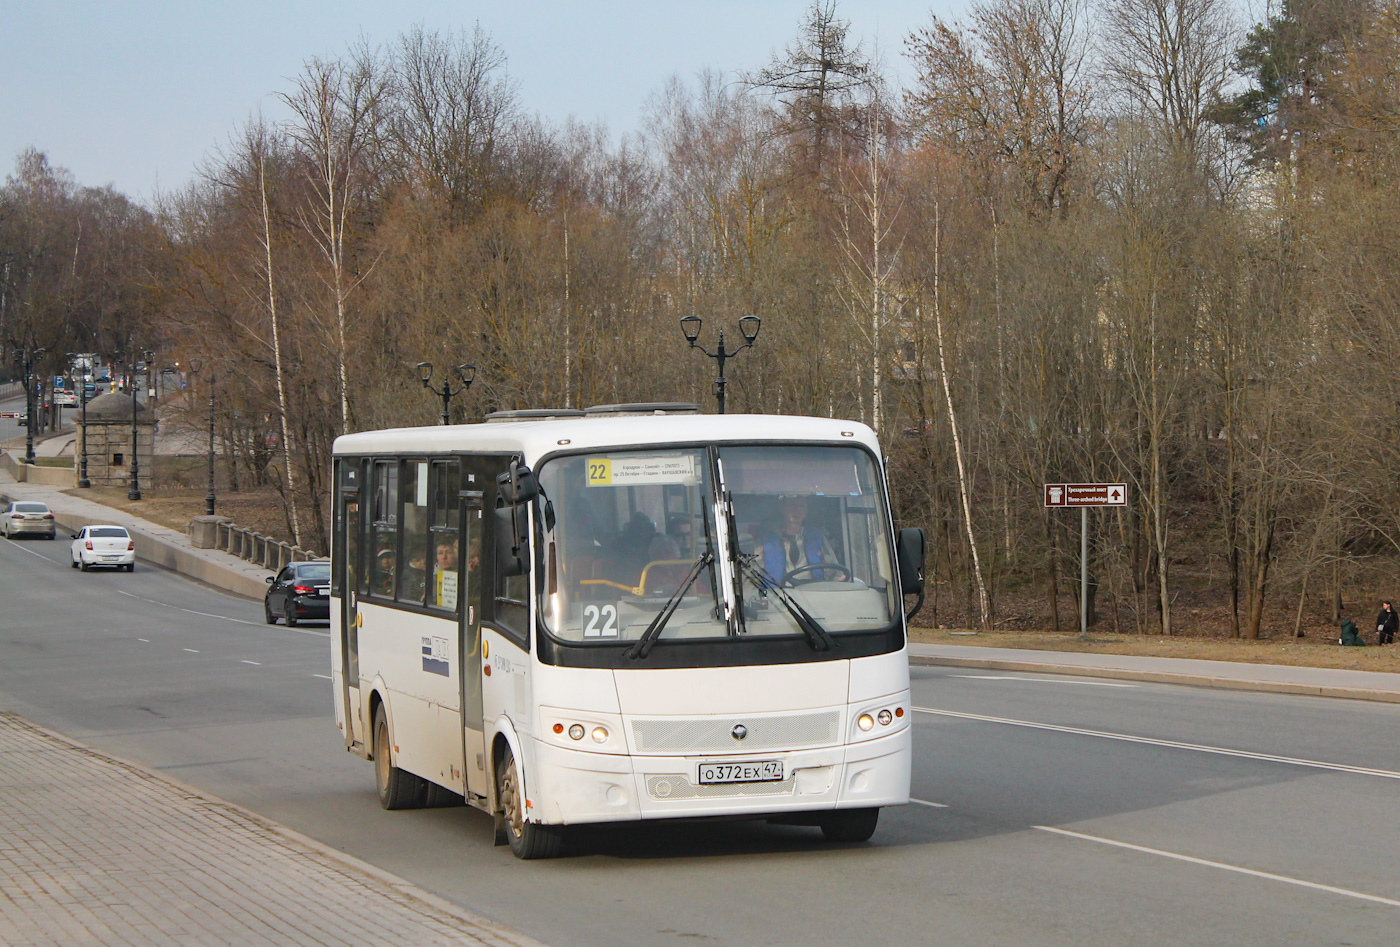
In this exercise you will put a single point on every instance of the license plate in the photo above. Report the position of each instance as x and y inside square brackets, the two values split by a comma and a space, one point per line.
[750, 771]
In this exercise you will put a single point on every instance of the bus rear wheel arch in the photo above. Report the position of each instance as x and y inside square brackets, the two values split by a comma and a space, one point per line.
[397, 788]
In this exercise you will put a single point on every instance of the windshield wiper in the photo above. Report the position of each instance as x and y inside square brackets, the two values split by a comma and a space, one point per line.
[817, 636]
[643, 646]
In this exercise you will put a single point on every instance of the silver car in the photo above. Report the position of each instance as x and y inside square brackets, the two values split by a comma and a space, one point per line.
[27, 518]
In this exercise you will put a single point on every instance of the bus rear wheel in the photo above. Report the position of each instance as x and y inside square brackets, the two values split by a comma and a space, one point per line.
[397, 788]
[850, 825]
[526, 839]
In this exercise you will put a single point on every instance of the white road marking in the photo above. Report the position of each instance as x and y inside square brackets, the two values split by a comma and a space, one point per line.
[931, 805]
[1175, 744]
[254, 663]
[37, 555]
[1037, 680]
[1267, 875]
[237, 621]
[147, 640]
[192, 651]
[326, 677]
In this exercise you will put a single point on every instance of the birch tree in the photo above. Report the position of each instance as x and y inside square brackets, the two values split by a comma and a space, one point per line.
[336, 109]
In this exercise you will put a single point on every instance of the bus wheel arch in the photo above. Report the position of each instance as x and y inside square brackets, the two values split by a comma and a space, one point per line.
[397, 788]
[526, 839]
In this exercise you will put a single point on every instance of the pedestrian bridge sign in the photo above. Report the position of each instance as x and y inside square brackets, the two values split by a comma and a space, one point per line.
[1086, 494]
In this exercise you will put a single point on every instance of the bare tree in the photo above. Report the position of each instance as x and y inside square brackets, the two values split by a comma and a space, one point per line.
[336, 108]
[815, 75]
[1171, 59]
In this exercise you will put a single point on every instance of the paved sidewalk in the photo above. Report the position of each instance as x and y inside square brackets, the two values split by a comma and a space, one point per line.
[1275, 678]
[94, 850]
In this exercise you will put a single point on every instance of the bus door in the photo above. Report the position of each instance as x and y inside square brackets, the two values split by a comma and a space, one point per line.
[478, 779]
[347, 577]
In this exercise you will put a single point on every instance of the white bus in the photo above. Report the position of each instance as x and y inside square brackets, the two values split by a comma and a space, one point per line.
[633, 612]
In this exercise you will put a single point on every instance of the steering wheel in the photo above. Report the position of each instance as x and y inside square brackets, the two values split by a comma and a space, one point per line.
[790, 576]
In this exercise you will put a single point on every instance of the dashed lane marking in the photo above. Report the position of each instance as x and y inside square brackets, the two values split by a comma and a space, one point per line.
[254, 663]
[1037, 680]
[145, 640]
[192, 651]
[324, 677]
[925, 802]
[237, 621]
[1223, 866]
[1174, 744]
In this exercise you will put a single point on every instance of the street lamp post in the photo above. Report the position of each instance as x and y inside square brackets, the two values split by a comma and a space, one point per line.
[80, 387]
[135, 492]
[748, 325]
[210, 499]
[465, 373]
[26, 357]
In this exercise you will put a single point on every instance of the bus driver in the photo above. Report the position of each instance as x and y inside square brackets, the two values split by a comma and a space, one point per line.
[794, 544]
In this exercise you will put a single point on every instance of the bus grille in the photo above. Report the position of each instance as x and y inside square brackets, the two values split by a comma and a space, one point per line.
[678, 787]
[715, 734]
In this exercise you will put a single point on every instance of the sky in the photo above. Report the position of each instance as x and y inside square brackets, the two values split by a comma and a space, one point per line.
[136, 94]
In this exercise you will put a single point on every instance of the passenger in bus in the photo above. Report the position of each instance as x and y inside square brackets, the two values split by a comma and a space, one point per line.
[384, 573]
[445, 574]
[791, 543]
[678, 530]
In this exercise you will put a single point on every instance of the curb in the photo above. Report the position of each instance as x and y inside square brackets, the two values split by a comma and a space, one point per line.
[1160, 677]
[503, 935]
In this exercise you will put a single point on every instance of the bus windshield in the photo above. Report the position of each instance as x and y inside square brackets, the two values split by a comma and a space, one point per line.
[783, 536]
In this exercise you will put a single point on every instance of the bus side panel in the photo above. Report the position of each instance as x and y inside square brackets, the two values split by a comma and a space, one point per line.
[415, 656]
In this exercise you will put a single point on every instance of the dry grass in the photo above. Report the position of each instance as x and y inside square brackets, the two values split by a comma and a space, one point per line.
[174, 507]
[1298, 652]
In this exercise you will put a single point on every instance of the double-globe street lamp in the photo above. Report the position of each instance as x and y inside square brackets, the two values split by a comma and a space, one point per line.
[748, 325]
[135, 492]
[25, 356]
[465, 373]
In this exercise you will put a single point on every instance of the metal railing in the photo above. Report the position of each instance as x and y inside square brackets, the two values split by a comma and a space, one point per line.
[267, 552]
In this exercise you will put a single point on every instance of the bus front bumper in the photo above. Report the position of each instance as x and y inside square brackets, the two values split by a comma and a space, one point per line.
[574, 787]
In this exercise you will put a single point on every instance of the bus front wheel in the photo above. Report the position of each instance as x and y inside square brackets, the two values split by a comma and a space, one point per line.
[398, 789]
[850, 825]
[526, 839]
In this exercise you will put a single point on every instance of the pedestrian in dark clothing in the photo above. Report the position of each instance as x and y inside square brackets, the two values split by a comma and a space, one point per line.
[1387, 623]
[1351, 635]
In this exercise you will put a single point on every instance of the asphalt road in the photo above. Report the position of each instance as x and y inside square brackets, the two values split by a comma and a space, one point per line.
[1053, 810]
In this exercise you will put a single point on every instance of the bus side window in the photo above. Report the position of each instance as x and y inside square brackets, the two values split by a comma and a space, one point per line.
[413, 567]
[443, 551]
[385, 527]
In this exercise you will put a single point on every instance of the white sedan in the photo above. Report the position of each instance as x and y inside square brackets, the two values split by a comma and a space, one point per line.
[103, 546]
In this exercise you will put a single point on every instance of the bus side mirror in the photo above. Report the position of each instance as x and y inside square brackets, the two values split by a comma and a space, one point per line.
[517, 485]
[910, 553]
[512, 548]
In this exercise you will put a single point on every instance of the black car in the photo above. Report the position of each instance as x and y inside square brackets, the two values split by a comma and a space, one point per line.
[299, 591]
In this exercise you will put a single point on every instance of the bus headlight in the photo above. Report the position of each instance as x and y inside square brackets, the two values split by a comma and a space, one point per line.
[600, 734]
[865, 721]
[884, 717]
[576, 732]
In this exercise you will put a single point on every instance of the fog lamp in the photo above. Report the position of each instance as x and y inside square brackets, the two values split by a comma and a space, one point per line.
[865, 721]
[600, 735]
